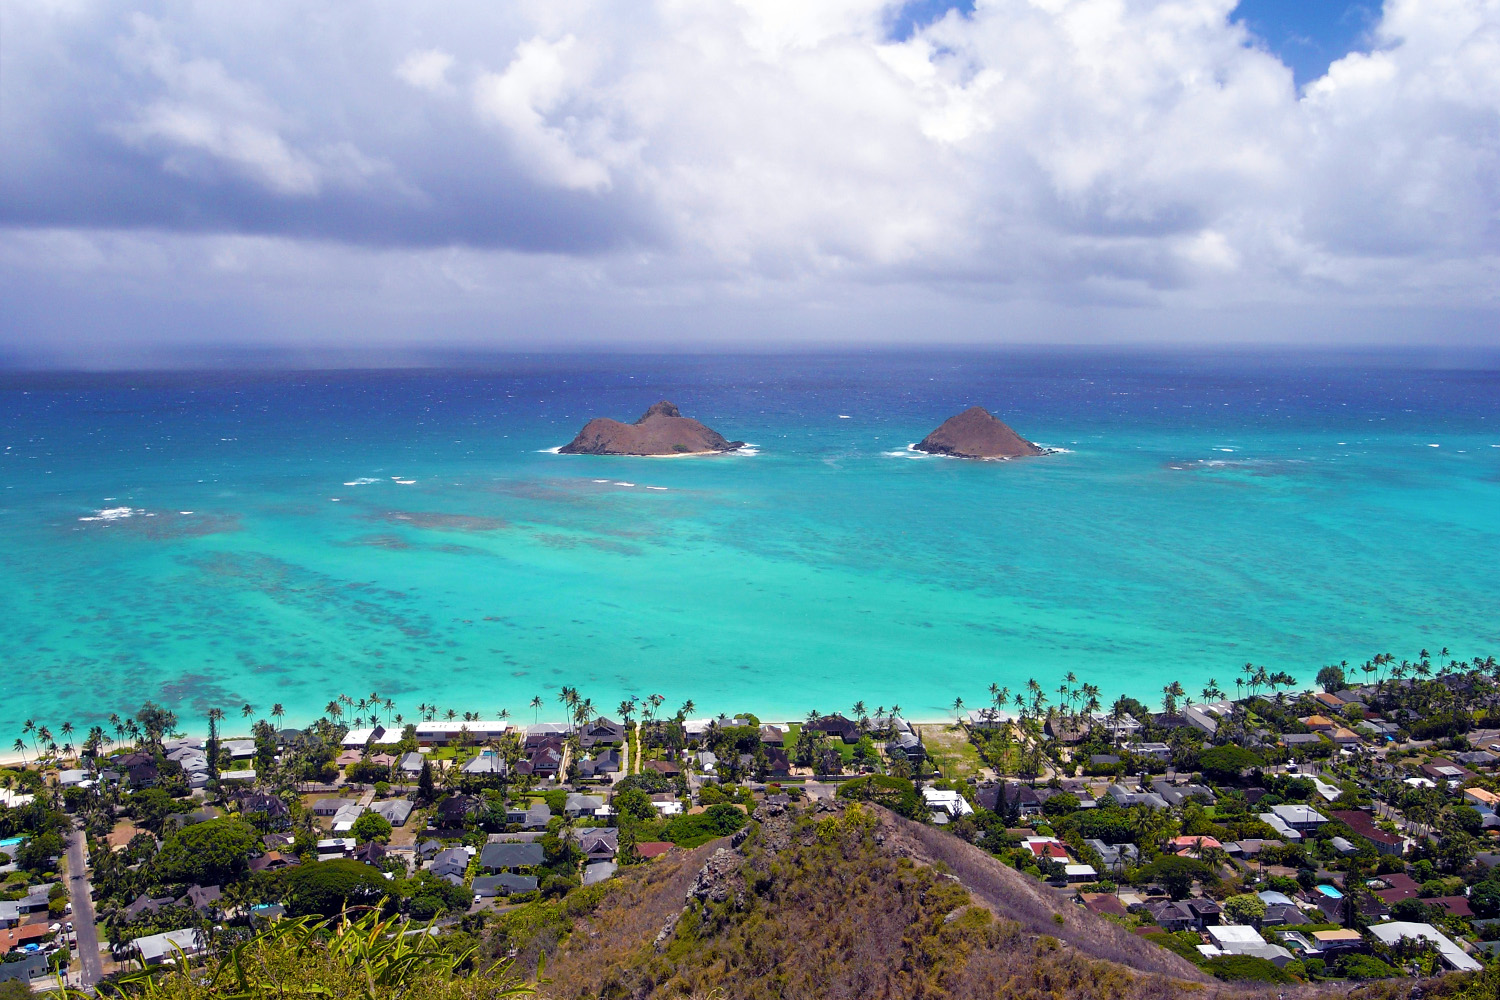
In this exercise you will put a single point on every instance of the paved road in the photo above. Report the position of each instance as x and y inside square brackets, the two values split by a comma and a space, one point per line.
[90, 966]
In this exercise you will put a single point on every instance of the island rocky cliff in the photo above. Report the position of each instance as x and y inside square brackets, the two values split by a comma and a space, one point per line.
[662, 430]
[976, 433]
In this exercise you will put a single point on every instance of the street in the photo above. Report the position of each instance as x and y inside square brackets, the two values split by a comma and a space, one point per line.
[86, 936]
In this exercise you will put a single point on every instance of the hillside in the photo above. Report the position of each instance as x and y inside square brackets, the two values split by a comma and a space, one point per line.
[847, 904]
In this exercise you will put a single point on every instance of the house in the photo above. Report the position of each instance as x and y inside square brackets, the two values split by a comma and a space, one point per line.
[371, 853]
[344, 819]
[1076, 873]
[1331, 702]
[778, 763]
[1398, 886]
[598, 871]
[411, 764]
[335, 847]
[1477, 758]
[1303, 819]
[1206, 910]
[441, 733]
[10, 913]
[1293, 741]
[1344, 737]
[395, 811]
[1103, 760]
[600, 844]
[507, 857]
[358, 739]
[908, 745]
[601, 730]
[1452, 955]
[13, 938]
[707, 760]
[946, 803]
[244, 777]
[1115, 856]
[453, 811]
[1343, 845]
[601, 765]
[534, 815]
[546, 760]
[835, 726]
[1486, 802]
[273, 861]
[665, 767]
[36, 898]
[578, 804]
[1160, 751]
[157, 948]
[1444, 771]
[1172, 916]
[274, 809]
[1363, 824]
[486, 764]
[328, 807]
[1176, 795]
[144, 904]
[29, 969]
[1282, 828]
[1237, 939]
[653, 848]
[1048, 848]
[1123, 728]
[503, 884]
[1065, 730]
[1342, 940]
[1454, 906]
[203, 898]
[1125, 797]
[1319, 723]
[451, 864]
[546, 732]
[238, 749]
[1105, 904]
[773, 736]
[988, 718]
[1191, 845]
[666, 803]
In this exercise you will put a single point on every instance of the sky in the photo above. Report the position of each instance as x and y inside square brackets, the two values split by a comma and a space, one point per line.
[394, 177]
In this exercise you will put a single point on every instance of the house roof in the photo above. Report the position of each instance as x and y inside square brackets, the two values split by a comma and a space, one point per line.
[512, 855]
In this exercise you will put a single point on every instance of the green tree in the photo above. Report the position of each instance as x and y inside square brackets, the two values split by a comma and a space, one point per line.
[426, 788]
[1246, 908]
[150, 807]
[1331, 678]
[326, 887]
[371, 826]
[636, 803]
[1228, 762]
[210, 853]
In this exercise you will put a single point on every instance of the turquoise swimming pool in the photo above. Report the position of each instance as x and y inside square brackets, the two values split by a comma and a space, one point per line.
[1330, 892]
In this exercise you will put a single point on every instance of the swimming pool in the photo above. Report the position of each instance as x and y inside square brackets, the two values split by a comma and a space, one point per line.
[1330, 892]
[9, 842]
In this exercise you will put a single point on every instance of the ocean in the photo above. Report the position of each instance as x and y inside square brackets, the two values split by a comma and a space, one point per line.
[214, 539]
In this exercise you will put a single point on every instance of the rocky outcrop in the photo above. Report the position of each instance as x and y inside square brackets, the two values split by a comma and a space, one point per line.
[662, 430]
[976, 433]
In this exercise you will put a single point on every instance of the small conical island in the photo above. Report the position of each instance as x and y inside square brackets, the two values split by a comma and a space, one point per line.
[662, 430]
[977, 433]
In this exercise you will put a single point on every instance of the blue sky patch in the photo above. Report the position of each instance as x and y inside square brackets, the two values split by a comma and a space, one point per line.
[1309, 35]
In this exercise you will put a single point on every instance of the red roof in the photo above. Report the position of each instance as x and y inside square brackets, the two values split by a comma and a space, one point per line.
[1047, 849]
[653, 848]
[1458, 906]
[13, 937]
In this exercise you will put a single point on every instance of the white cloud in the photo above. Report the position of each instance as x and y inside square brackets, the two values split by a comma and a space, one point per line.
[1138, 152]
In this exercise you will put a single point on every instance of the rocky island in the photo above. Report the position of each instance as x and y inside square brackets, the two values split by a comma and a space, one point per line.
[662, 430]
[977, 433]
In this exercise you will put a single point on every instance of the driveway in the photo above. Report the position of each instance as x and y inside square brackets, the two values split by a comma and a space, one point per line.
[85, 933]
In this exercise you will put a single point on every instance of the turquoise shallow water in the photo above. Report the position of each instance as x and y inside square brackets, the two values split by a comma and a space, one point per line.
[1209, 511]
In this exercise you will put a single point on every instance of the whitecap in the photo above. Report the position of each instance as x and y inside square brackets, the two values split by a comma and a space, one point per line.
[1434, 446]
[624, 484]
[656, 487]
[407, 482]
[334, 499]
[361, 482]
[550, 451]
[1224, 449]
[747, 449]
[601, 480]
[112, 514]
[845, 416]
[184, 512]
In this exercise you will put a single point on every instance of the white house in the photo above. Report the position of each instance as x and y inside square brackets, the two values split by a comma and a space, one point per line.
[443, 732]
[946, 802]
[1237, 939]
[1453, 956]
[358, 739]
[157, 948]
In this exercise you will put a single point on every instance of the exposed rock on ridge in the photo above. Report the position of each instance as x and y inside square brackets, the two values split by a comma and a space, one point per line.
[976, 433]
[662, 430]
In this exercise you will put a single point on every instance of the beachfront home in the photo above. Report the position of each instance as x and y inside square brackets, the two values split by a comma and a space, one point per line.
[358, 739]
[908, 745]
[546, 760]
[1122, 728]
[601, 730]
[773, 736]
[439, 733]
[546, 732]
[988, 718]
[835, 726]
[1452, 955]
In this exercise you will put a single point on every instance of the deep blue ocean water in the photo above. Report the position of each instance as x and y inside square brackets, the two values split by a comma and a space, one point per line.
[212, 539]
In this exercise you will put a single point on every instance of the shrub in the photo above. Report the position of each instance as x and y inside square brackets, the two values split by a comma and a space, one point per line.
[1366, 967]
[896, 794]
[714, 822]
[1246, 967]
[326, 887]
[209, 853]
[1226, 763]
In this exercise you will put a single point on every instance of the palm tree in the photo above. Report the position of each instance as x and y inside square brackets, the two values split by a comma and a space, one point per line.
[247, 710]
[536, 704]
[277, 712]
[958, 711]
[895, 711]
[20, 748]
[688, 707]
[334, 710]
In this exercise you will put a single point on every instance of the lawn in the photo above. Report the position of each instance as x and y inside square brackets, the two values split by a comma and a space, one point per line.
[950, 751]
